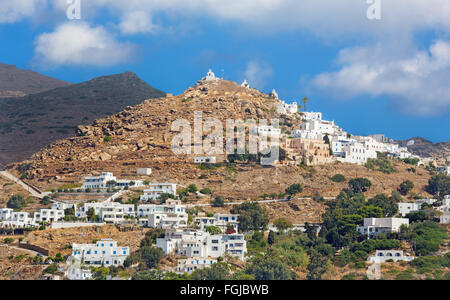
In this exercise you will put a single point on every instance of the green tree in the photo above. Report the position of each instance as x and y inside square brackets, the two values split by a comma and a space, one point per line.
[370, 211]
[387, 204]
[218, 271]
[439, 185]
[251, 216]
[192, 188]
[16, 202]
[282, 224]
[151, 256]
[318, 265]
[294, 189]
[405, 187]
[218, 202]
[213, 230]
[359, 185]
[269, 267]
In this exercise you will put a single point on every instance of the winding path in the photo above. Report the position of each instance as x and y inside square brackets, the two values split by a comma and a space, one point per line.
[29, 188]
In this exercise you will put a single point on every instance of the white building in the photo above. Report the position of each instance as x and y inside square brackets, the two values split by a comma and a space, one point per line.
[311, 116]
[11, 219]
[157, 189]
[274, 94]
[223, 221]
[245, 84]
[48, 215]
[75, 271]
[266, 131]
[406, 208]
[426, 201]
[109, 212]
[205, 160]
[381, 256]
[107, 180]
[285, 108]
[355, 153]
[444, 169]
[201, 244]
[103, 253]
[445, 218]
[210, 76]
[144, 171]
[374, 226]
[192, 264]
[172, 214]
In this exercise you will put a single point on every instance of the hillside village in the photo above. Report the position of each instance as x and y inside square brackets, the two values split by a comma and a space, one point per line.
[331, 206]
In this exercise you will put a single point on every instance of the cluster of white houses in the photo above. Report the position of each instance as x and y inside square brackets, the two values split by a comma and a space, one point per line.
[406, 208]
[19, 219]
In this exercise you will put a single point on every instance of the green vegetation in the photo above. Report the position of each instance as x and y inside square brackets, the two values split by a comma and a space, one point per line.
[218, 202]
[16, 202]
[405, 187]
[107, 139]
[294, 189]
[338, 178]
[381, 164]
[251, 216]
[359, 185]
[439, 185]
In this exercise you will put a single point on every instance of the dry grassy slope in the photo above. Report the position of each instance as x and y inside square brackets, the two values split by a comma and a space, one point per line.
[58, 240]
[141, 137]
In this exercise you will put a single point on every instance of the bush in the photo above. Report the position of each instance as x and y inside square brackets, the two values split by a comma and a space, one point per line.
[51, 269]
[405, 187]
[359, 185]
[338, 178]
[439, 185]
[205, 191]
[107, 138]
[295, 188]
[16, 202]
[218, 202]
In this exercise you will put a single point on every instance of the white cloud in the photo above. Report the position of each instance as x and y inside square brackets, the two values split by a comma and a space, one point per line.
[417, 82]
[257, 73]
[76, 43]
[16, 10]
[137, 22]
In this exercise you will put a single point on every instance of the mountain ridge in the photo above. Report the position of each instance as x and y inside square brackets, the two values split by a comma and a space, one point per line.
[30, 123]
[16, 82]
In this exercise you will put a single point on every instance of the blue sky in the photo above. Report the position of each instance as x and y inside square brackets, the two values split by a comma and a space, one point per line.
[371, 76]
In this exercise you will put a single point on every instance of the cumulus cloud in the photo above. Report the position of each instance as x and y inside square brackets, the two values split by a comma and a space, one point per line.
[79, 44]
[137, 22]
[416, 82]
[257, 73]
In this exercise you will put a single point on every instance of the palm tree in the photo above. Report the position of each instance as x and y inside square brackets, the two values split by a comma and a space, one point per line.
[305, 100]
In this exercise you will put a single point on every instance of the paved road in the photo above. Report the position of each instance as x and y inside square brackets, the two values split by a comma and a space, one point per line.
[261, 201]
[33, 191]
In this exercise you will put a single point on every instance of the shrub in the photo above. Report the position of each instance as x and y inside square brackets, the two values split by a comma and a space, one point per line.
[405, 187]
[205, 191]
[16, 202]
[359, 185]
[218, 202]
[338, 178]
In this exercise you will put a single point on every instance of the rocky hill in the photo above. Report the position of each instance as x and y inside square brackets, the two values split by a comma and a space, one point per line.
[32, 122]
[141, 136]
[425, 148]
[15, 82]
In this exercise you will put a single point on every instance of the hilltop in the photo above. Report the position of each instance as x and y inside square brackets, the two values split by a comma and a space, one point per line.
[141, 136]
[32, 122]
[15, 82]
[425, 148]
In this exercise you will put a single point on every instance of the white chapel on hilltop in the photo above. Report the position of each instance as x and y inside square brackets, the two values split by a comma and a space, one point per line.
[245, 84]
[210, 76]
